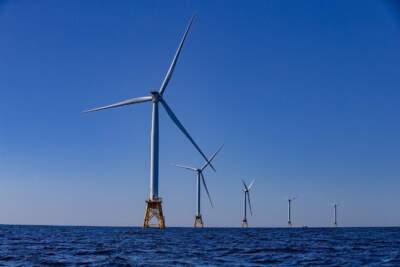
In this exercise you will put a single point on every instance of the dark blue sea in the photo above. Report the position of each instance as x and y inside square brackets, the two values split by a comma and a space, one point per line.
[113, 246]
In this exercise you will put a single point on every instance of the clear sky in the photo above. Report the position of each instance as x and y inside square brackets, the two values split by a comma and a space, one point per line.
[304, 95]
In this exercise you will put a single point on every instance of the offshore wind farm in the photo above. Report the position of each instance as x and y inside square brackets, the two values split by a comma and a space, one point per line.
[305, 104]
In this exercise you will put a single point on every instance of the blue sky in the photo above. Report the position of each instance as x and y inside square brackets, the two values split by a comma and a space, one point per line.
[304, 95]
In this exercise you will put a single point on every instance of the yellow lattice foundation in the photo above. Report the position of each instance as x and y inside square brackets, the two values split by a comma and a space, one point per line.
[154, 210]
[198, 221]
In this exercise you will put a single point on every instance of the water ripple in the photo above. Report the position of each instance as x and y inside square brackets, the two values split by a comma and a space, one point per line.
[109, 246]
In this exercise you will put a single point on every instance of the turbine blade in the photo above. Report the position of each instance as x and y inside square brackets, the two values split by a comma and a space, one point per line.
[180, 126]
[245, 186]
[205, 187]
[251, 184]
[185, 167]
[175, 59]
[248, 199]
[211, 159]
[130, 101]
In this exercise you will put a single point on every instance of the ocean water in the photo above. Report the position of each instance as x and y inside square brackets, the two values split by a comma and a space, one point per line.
[124, 246]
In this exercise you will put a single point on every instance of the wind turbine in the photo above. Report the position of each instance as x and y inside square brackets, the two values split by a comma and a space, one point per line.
[290, 210]
[153, 207]
[335, 214]
[246, 191]
[198, 221]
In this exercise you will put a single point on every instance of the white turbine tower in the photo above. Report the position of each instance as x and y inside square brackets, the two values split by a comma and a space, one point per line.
[290, 200]
[246, 191]
[198, 221]
[335, 206]
[153, 207]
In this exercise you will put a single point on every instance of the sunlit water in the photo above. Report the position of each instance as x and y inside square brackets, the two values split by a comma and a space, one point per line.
[89, 246]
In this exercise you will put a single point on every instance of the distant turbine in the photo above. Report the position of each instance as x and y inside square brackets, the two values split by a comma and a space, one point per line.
[246, 191]
[198, 221]
[335, 223]
[290, 211]
[154, 208]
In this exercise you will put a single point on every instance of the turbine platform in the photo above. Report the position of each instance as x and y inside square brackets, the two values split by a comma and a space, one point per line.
[198, 222]
[244, 223]
[154, 210]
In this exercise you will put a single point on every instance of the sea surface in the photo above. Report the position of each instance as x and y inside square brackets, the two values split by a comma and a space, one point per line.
[124, 246]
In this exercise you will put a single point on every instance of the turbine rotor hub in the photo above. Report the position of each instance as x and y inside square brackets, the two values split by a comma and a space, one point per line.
[155, 96]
